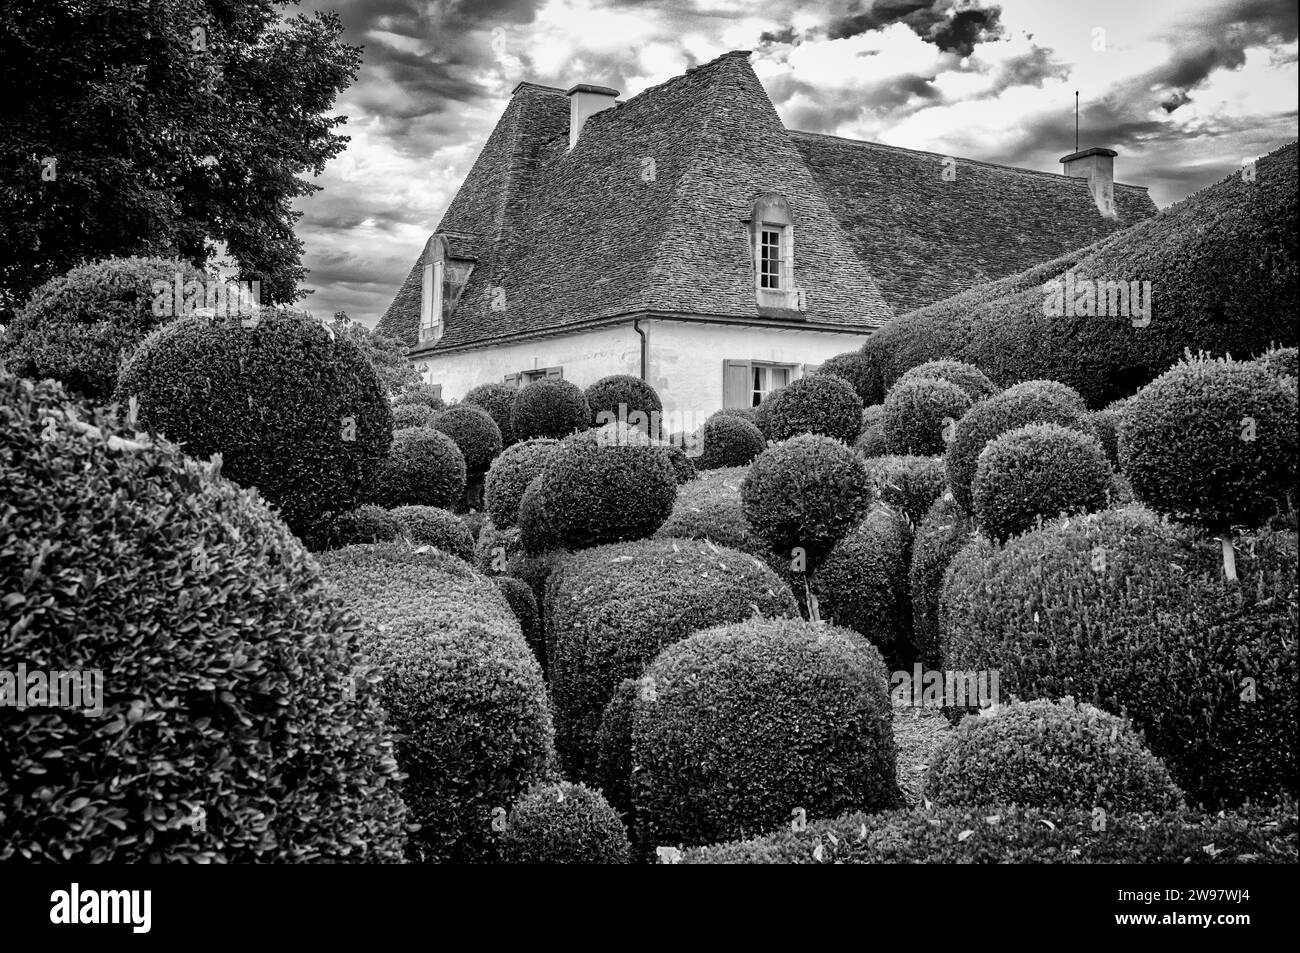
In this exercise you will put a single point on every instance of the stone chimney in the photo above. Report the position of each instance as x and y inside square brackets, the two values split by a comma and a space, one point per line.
[1098, 167]
[584, 102]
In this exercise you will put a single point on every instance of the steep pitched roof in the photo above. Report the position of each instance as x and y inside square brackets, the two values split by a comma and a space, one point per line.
[926, 238]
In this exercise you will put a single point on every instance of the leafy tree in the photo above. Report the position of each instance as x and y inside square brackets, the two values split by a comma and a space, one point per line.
[386, 354]
[161, 127]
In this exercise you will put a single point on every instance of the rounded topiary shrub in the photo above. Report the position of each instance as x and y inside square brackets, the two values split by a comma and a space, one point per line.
[821, 404]
[460, 686]
[1038, 472]
[860, 371]
[613, 768]
[921, 415]
[746, 726]
[871, 441]
[862, 583]
[564, 824]
[366, 524]
[524, 605]
[746, 413]
[538, 532]
[908, 484]
[728, 441]
[79, 327]
[609, 611]
[497, 400]
[427, 395]
[141, 569]
[594, 493]
[434, 526]
[294, 411]
[1049, 755]
[805, 494]
[622, 397]
[549, 408]
[1033, 402]
[1212, 443]
[968, 377]
[510, 474]
[1281, 361]
[1131, 612]
[475, 434]
[412, 415]
[709, 507]
[941, 535]
[424, 467]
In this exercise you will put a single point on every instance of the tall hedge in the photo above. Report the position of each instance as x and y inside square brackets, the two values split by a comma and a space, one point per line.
[225, 729]
[293, 410]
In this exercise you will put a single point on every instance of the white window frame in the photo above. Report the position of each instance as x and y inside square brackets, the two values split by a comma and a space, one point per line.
[764, 390]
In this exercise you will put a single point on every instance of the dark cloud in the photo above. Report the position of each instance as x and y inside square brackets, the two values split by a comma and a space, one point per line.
[935, 22]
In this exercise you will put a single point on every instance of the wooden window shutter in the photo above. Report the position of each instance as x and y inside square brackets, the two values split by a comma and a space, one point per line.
[556, 373]
[735, 385]
[437, 391]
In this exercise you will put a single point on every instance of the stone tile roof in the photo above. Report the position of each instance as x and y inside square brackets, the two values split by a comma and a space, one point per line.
[580, 237]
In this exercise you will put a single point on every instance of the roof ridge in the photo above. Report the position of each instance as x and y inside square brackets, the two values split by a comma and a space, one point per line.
[884, 146]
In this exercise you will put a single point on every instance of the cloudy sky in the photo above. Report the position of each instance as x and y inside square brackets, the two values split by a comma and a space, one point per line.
[1184, 91]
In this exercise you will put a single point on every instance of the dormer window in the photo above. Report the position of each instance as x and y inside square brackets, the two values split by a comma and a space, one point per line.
[771, 232]
[443, 280]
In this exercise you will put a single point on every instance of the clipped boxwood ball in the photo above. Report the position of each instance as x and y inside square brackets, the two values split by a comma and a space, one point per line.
[1038, 472]
[564, 824]
[594, 493]
[746, 413]
[968, 377]
[744, 726]
[805, 493]
[1032, 402]
[709, 507]
[524, 605]
[624, 398]
[475, 433]
[1049, 755]
[1281, 361]
[79, 327]
[941, 535]
[861, 373]
[424, 467]
[871, 441]
[412, 415]
[1131, 611]
[862, 583]
[511, 472]
[461, 688]
[434, 526]
[497, 400]
[366, 524]
[538, 532]
[729, 441]
[821, 404]
[609, 611]
[549, 408]
[427, 395]
[1211, 442]
[223, 659]
[293, 410]
[921, 415]
[908, 484]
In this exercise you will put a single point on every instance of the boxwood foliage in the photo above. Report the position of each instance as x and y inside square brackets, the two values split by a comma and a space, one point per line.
[434, 526]
[474, 432]
[1033, 402]
[968, 377]
[224, 661]
[742, 725]
[805, 493]
[365, 524]
[538, 532]
[620, 396]
[1049, 755]
[871, 440]
[861, 373]
[728, 441]
[908, 484]
[497, 400]
[1131, 613]
[424, 467]
[511, 472]
[613, 768]
[745, 413]
[921, 414]
[1038, 472]
[412, 415]
[294, 410]
[942, 534]
[1281, 361]
[460, 686]
[1105, 424]
[963, 835]
[862, 583]
[562, 823]
[524, 605]
[822, 404]
[79, 327]
[609, 610]
[709, 507]
[1223, 275]
[549, 408]
[1211, 442]
[427, 395]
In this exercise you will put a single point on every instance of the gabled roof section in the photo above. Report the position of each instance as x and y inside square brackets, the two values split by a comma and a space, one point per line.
[926, 238]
